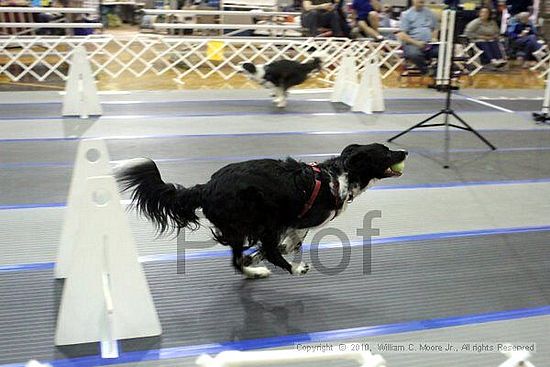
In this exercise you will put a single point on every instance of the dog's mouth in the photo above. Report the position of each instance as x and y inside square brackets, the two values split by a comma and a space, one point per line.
[390, 172]
[396, 169]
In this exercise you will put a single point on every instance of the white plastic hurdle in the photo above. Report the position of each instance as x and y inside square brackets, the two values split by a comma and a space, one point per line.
[280, 357]
[365, 96]
[106, 297]
[519, 358]
[81, 98]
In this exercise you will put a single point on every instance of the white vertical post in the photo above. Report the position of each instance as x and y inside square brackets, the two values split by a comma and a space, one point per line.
[449, 45]
[441, 50]
[546, 102]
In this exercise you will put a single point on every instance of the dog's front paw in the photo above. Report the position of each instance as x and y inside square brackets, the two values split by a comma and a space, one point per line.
[256, 273]
[281, 104]
[300, 268]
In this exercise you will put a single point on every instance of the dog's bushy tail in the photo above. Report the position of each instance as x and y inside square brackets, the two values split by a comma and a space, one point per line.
[169, 206]
[319, 58]
[311, 65]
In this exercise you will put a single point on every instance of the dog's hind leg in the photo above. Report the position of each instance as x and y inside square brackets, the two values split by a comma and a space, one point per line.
[274, 256]
[293, 241]
[238, 262]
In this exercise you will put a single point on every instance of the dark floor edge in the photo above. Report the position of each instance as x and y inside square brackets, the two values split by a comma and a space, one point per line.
[288, 340]
[374, 241]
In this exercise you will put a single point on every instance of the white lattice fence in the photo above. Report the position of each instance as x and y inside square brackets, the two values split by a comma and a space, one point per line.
[44, 57]
[543, 64]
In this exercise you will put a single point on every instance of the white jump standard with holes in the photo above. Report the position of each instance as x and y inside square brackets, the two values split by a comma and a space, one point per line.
[106, 297]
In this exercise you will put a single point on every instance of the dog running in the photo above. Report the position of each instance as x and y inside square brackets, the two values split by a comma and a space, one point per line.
[281, 75]
[266, 203]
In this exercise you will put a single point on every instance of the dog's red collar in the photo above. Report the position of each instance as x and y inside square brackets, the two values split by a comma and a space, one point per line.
[315, 192]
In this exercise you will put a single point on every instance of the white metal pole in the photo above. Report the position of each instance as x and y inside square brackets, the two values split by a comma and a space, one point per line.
[449, 46]
[441, 51]
[546, 103]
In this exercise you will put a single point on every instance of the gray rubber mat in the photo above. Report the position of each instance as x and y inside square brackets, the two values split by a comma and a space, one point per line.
[210, 303]
[534, 329]
[233, 107]
[46, 166]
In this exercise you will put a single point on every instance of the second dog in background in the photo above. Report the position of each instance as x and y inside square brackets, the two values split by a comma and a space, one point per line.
[281, 75]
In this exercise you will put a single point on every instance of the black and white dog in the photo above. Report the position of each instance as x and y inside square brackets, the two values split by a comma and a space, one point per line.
[266, 203]
[281, 75]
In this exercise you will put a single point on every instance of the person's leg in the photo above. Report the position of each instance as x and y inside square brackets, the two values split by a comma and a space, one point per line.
[343, 18]
[485, 57]
[532, 45]
[374, 20]
[310, 20]
[331, 20]
[416, 55]
[496, 54]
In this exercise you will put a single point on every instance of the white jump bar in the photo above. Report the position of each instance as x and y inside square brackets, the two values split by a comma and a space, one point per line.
[12, 9]
[51, 25]
[280, 357]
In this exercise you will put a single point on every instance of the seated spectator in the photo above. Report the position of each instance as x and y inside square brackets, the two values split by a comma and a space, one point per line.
[484, 32]
[340, 4]
[418, 28]
[321, 13]
[365, 14]
[524, 37]
[387, 21]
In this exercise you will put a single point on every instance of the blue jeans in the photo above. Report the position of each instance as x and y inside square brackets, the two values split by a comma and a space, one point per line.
[315, 19]
[420, 57]
[527, 45]
[491, 51]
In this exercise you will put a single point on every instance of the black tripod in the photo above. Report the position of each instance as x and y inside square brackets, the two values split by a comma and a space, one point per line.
[447, 111]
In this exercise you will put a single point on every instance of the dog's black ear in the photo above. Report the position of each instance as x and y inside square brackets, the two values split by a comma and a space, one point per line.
[350, 149]
[357, 160]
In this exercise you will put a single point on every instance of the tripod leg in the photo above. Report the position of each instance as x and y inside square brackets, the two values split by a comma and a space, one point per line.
[415, 126]
[447, 142]
[474, 131]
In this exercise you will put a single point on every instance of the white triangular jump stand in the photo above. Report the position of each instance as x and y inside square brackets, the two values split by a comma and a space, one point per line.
[369, 97]
[233, 358]
[92, 159]
[518, 358]
[106, 296]
[346, 82]
[81, 98]
[366, 96]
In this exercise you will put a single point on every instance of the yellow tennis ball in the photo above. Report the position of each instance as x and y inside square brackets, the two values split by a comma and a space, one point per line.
[398, 167]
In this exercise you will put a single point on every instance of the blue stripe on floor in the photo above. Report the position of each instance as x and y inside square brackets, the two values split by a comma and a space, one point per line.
[201, 255]
[290, 340]
[387, 187]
